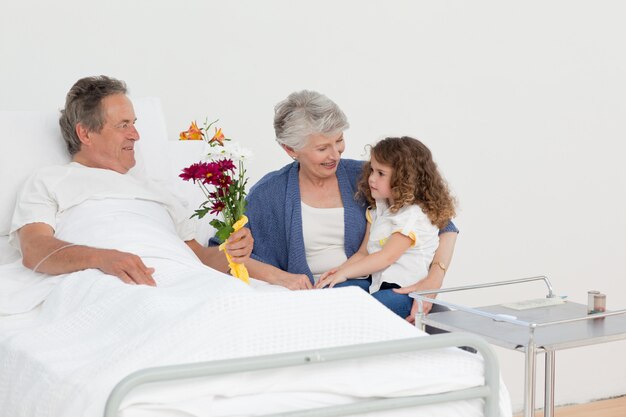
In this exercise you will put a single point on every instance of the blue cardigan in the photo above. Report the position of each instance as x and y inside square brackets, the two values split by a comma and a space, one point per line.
[275, 214]
[275, 217]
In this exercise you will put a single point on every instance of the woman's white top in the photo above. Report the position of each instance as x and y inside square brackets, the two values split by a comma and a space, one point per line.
[411, 221]
[323, 233]
[53, 190]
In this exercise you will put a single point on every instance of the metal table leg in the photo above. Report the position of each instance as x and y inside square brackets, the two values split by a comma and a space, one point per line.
[530, 380]
[548, 405]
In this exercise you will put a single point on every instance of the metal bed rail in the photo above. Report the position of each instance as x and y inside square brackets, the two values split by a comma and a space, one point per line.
[421, 296]
[490, 391]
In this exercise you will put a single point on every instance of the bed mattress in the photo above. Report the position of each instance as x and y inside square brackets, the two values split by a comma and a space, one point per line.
[90, 330]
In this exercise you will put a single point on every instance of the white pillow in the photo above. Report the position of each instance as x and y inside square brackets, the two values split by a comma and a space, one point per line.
[29, 140]
[151, 151]
[32, 139]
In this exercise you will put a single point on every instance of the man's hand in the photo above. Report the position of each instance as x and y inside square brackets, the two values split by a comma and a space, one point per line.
[52, 256]
[126, 266]
[239, 245]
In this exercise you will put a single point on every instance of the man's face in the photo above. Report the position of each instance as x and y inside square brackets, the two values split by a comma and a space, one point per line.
[114, 146]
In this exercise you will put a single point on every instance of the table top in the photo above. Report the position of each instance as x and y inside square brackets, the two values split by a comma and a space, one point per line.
[550, 337]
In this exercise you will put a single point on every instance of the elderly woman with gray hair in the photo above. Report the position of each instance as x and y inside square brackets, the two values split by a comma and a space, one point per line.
[304, 217]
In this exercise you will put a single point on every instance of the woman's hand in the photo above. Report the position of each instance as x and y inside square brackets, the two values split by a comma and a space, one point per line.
[330, 279]
[293, 281]
[426, 284]
[239, 245]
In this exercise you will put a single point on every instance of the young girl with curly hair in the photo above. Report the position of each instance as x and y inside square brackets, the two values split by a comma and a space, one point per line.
[409, 202]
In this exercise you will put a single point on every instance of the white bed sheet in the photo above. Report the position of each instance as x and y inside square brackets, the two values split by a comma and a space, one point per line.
[8, 253]
[276, 390]
[266, 403]
[92, 330]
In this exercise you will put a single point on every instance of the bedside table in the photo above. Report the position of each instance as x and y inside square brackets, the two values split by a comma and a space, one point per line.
[544, 327]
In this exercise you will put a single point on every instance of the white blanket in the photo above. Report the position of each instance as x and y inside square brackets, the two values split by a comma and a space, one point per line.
[92, 329]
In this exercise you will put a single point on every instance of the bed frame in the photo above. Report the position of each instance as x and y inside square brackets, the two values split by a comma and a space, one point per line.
[489, 391]
[40, 144]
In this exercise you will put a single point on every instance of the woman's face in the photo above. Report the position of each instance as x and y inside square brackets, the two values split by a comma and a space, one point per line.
[320, 156]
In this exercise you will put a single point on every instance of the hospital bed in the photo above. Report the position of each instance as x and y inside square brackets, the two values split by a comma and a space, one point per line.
[349, 366]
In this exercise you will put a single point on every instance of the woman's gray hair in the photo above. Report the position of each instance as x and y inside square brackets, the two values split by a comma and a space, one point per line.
[305, 113]
[83, 105]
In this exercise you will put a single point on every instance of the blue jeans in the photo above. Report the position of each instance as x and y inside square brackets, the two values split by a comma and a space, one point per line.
[363, 284]
[400, 304]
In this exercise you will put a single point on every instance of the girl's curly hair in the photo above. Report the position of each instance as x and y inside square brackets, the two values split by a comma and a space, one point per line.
[415, 179]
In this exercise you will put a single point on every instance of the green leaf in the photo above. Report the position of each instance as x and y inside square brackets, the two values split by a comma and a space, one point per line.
[223, 233]
[217, 224]
[200, 213]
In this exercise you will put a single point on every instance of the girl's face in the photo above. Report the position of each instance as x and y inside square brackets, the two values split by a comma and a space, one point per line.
[380, 180]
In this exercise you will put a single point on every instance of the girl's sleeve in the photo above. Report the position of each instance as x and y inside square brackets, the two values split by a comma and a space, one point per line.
[370, 215]
[413, 223]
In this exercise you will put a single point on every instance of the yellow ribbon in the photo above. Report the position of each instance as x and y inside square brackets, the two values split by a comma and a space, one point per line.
[237, 270]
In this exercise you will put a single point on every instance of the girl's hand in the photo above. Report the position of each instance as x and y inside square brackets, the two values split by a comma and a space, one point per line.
[326, 274]
[330, 279]
[324, 278]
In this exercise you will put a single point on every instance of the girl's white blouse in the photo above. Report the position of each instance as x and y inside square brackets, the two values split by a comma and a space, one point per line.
[412, 222]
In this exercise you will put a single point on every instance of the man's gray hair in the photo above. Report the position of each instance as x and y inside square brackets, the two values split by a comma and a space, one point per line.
[306, 113]
[83, 104]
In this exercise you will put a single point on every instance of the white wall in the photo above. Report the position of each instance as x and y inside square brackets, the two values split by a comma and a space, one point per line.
[522, 103]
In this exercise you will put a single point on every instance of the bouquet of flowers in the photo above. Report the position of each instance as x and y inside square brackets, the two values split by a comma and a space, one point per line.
[223, 184]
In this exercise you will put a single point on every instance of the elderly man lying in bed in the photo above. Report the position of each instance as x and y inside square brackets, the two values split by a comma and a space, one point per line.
[98, 126]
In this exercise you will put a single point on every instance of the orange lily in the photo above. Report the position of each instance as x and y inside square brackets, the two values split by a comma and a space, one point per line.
[218, 137]
[193, 133]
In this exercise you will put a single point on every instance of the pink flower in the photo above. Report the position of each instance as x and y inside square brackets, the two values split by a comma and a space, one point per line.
[210, 173]
[226, 165]
[206, 172]
[217, 207]
[192, 172]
